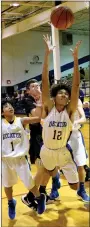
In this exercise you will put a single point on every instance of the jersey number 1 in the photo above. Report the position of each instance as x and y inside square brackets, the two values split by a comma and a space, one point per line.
[12, 146]
[57, 135]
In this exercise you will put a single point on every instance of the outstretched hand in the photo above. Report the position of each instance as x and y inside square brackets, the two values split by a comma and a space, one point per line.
[48, 43]
[75, 51]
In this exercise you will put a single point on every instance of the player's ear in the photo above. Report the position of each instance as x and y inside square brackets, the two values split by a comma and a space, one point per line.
[68, 101]
[53, 100]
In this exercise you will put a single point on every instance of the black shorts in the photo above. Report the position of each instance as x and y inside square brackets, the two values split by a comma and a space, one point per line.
[35, 147]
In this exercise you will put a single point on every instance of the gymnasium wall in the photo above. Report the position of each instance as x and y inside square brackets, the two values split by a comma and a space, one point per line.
[18, 51]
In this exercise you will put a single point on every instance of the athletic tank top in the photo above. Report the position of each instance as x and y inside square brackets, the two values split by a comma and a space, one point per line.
[15, 141]
[56, 129]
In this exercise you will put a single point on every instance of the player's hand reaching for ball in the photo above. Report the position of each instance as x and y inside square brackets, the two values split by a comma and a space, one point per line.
[48, 43]
[75, 50]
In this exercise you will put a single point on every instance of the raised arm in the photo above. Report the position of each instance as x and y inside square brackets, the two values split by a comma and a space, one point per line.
[29, 120]
[45, 72]
[75, 83]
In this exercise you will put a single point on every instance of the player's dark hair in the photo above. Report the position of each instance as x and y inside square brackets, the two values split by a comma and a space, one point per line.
[3, 103]
[32, 81]
[55, 88]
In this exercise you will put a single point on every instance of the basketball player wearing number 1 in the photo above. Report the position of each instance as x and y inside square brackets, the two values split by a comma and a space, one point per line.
[15, 146]
[58, 118]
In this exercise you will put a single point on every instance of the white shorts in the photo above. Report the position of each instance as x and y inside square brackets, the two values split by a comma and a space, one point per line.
[78, 148]
[61, 158]
[14, 167]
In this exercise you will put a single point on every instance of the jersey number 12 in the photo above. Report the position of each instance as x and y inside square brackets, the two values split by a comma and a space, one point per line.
[57, 135]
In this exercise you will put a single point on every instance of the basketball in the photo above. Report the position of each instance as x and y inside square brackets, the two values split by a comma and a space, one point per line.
[62, 18]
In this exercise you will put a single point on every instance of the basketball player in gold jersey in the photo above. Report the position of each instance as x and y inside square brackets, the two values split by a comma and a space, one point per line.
[58, 115]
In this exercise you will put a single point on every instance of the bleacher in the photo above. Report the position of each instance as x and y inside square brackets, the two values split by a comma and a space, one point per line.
[84, 86]
[86, 69]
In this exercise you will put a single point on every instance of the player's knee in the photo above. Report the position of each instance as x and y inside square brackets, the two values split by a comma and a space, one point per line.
[74, 186]
[80, 168]
[53, 172]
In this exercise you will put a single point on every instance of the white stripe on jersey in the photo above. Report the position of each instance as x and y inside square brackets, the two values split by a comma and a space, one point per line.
[15, 141]
[56, 129]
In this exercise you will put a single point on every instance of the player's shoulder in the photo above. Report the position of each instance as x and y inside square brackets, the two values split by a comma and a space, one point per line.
[18, 119]
[47, 107]
[29, 98]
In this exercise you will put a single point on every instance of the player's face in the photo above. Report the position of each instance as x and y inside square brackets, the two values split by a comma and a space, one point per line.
[8, 110]
[86, 105]
[34, 90]
[62, 97]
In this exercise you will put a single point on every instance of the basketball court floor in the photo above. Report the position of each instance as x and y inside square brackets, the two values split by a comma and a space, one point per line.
[68, 212]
